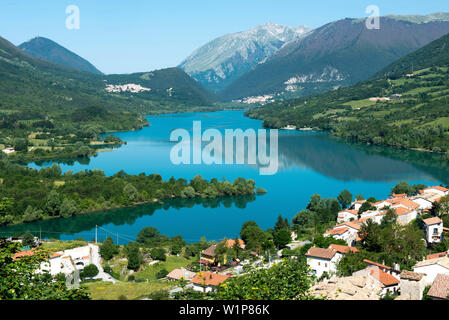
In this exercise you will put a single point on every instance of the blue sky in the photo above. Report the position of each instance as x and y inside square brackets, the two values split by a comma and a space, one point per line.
[123, 36]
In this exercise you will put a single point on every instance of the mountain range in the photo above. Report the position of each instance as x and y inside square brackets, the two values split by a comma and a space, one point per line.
[50, 51]
[338, 54]
[405, 105]
[28, 83]
[223, 60]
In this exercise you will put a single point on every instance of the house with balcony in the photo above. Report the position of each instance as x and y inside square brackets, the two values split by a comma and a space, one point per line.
[434, 230]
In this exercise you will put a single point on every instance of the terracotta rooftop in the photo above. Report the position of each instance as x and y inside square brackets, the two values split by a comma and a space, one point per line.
[343, 249]
[431, 221]
[354, 212]
[437, 255]
[327, 254]
[376, 264]
[337, 231]
[385, 278]
[230, 243]
[440, 287]
[440, 188]
[209, 278]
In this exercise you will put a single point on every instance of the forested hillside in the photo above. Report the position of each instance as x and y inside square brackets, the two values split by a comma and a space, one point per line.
[45, 108]
[402, 110]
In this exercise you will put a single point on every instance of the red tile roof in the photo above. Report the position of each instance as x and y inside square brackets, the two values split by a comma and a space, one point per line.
[431, 221]
[25, 253]
[230, 243]
[337, 231]
[376, 264]
[327, 254]
[343, 249]
[385, 278]
[354, 212]
[440, 188]
[437, 255]
[209, 278]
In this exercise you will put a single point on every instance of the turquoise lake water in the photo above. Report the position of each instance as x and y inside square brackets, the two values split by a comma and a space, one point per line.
[309, 163]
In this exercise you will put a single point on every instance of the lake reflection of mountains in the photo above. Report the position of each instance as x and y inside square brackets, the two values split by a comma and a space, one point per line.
[349, 162]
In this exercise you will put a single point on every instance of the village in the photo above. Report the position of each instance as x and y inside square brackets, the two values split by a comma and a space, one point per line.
[218, 262]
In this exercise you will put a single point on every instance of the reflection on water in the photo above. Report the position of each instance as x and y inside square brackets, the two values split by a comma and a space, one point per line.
[310, 163]
[54, 228]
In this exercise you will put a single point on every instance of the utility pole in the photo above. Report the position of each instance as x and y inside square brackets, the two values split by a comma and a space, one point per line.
[200, 261]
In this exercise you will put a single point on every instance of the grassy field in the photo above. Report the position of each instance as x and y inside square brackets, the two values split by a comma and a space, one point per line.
[355, 104]
[130, 290]
[173, 262]
[63, 245]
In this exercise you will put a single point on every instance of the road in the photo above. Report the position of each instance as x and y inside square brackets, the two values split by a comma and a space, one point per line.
[96, 260]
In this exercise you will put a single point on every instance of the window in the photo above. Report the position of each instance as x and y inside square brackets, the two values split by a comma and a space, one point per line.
[326, 265]
[319, 263]
[435, 231]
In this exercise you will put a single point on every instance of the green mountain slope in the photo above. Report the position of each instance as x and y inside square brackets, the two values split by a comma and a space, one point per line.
[31, 82]
[50, 51]
[338, 54]
[412, 112]
[49, 111]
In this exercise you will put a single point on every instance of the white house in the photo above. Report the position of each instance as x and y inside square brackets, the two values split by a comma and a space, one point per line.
[387, 281]
[208, 281]
[356, 205]
[322, 261]
[436, 189]
[346, 231]
[347, 215]
[434, 229]
[8, 150]
[389, 278]
[432, 268]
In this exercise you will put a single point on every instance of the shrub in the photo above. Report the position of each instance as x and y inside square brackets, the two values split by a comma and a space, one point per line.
[161, 274]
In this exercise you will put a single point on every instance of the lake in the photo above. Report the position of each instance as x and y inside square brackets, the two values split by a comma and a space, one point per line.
[309, 163]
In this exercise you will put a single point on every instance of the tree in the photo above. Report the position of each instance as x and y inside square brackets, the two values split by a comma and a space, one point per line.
[28, 240]
[6, 206]
[147, 235]
[130, 192]
[282, 238]
[89, 271]
[370, 235]
[287, 280]
[32, 214]
[133, 255]
[344, 198]
[443, 206]
[108, 249]
[19, 280]
[281, 223]
[68, 208]
[158, 254]
[253, 236]
[161, 274]
[188, 192]
[53, 203]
